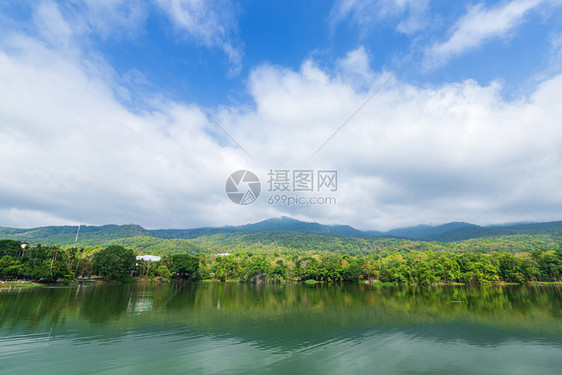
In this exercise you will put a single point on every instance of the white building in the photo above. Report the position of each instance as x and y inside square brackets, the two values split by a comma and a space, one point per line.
[149, 258]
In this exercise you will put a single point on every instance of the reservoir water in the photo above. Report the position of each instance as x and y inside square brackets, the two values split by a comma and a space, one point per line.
[218, 328]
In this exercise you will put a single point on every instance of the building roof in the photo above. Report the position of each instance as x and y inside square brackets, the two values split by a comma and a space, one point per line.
[149, 258]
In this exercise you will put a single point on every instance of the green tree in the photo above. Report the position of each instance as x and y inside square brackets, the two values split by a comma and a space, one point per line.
[255, 269]
[10, 247]
[113, 262]
[10, 268]
[163, 271]
[279, 272]
[184, 266]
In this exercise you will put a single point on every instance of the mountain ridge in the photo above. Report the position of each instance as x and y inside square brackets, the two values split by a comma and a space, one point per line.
[448, 232]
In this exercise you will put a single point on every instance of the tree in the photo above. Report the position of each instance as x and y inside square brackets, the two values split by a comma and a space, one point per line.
[9, 267]
[162, 271]
[184, 266]
[308, 269]
[279, 272]
[226, 267]
[10, 247]
[113, 262]
[255, 269]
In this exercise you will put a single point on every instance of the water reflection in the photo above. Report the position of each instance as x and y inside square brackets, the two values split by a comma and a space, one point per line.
[281, 324]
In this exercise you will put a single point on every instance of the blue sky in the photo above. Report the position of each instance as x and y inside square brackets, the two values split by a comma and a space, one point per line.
[96, 132]
[285, 33]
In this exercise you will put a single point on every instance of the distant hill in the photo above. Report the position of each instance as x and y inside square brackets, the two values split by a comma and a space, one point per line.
[65, 235]
[475, 231]
[283, 224]
[460, 231]
[103, 235]
[422, 232]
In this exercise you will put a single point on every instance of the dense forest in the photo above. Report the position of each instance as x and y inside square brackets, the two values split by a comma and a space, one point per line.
[282, 257]
[297, 241]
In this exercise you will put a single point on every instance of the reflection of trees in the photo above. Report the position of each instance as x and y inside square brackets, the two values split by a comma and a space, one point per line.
[33, 306]
[296, 312]
[100, 304]
[210, 304]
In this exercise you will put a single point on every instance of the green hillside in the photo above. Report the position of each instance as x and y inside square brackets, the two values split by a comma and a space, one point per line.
[285, 256]
[65, 235]
[546, 236]
[291, 241]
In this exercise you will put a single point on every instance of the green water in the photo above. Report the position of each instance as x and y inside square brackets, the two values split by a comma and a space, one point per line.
[293, 329]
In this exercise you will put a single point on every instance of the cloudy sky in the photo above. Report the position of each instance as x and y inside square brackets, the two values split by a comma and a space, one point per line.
[137, 112]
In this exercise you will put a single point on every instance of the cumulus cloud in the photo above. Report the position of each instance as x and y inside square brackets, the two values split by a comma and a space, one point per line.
[455, 152]
[354, 68]
[71, 151]
[478, 25]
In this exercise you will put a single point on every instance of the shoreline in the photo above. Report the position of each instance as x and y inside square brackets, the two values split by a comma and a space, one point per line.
[31, 284]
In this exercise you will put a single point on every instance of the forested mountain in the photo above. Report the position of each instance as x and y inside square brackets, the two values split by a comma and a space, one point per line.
[303, 242]
[290, 233]
[283, 224]
[450, 232]
[421, 232]
[276, 256]
[65, 235]
[468, 232]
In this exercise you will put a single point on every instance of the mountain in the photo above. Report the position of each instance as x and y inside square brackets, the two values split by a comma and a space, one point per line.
[286, 224]
[423, 232]
[94, 235]
[98, 235]
[460, 231]
[283, 224]
[65, 235]
[475, 231]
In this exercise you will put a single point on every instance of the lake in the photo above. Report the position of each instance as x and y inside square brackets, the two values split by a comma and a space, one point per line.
[218, 328]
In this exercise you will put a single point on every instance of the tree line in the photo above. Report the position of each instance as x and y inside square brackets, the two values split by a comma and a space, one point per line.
[406, 267]
[53, 263]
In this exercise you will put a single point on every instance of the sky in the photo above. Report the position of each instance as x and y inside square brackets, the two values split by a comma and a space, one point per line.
[376, 113]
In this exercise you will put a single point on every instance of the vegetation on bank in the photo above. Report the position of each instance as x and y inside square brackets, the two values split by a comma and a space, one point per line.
[18, 284]
[398, 266]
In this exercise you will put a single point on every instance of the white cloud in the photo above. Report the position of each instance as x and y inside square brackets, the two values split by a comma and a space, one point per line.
[51, 25]
[477, 26]
[211, 23]
[410, 15]
[414, 154]
[553, 62]
[74, 24]
[69, 23]
[453, 152]
[116, 19]
[31, 218]
[354, 68]
[71, 151]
